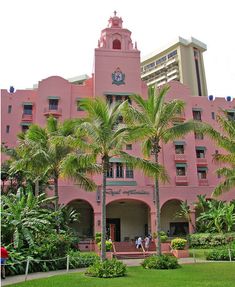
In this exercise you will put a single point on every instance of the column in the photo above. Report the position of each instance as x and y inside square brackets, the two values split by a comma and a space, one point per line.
[192, 221]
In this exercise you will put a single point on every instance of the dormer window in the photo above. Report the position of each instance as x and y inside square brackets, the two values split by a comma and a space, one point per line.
[117, 44]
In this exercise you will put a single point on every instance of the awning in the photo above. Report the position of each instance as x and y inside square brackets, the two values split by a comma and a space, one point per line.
[180, 164]
[27, 104]
[197, 109]
[202, 168]
[179, 142]
[53, 98]
[200, 148]
[114, 159]
[25, 124]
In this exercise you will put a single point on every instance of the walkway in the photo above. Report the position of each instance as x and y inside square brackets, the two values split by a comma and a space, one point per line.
[129, 262]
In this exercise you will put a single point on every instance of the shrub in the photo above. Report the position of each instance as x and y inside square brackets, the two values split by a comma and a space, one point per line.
[109, 245]
[178, 243]
[81, 259]
[160, 262]
[220, 254]
[107, 269]
[208, 240]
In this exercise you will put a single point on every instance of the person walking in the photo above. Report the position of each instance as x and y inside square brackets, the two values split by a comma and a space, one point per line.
[146, 243]
[4, 257]
[139, 242]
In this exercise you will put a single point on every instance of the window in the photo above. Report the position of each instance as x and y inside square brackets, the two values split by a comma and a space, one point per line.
[117, 44]
[179, 149]
[79, 108]
[180, 170]
[110, 170]
[231, 116]
[197, 115]
[200, 152]
[198, 136]
[119, 170]
[129, 147]
[9, 109]
[213, 115]
[53, 104]
[24, 128]
[109, 99]
[201, 173]
[27, 110]
[172, 54]
[7, 129]
[129, 171]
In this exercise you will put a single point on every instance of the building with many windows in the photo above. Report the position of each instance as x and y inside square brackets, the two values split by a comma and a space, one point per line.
[117, 75]
[180, 61]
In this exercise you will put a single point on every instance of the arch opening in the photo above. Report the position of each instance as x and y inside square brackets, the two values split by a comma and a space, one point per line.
[127, 219]
[116, 44]
[172, 224]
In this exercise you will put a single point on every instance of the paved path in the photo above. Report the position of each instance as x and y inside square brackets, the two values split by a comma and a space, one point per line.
[129, 262]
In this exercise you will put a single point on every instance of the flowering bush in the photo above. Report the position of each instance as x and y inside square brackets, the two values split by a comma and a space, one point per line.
[178, 243]
[160, 262]
[109, 245]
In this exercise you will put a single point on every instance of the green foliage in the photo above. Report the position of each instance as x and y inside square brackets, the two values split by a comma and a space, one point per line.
[178, 243]
[163, 236]
[107, 269]
[108, 244]
[98, 237]
[160, 262]
[221, 254]
[81, 259]
[208, 240]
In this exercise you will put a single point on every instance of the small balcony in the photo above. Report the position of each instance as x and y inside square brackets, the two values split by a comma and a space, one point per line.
[180, 117]
[181, 157]
[203, 182]
[202, 161]
[181, 180]
[54, 112]
[27, 118]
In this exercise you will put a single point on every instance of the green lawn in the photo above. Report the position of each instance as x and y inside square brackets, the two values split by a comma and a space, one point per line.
[199, 253]
[192, 275]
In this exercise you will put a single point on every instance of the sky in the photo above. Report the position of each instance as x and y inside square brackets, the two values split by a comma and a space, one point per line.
[42, 38]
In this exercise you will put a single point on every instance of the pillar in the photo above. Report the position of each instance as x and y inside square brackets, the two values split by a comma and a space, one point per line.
[97, 222]
[192, 221]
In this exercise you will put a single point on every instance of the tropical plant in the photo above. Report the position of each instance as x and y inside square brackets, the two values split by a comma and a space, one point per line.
[226, 140]
[178, 243]
[105, 138]
[156, 122]
[24, 218]
[43, 151]
[185, 213]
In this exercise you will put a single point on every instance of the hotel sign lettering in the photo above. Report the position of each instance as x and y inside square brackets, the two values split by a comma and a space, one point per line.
[126, 192]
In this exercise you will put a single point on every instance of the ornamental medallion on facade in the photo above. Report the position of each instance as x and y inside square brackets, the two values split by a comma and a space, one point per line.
[118, 77]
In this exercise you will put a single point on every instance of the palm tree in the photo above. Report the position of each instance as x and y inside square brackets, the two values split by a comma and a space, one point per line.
[226, 140]
[157, 123]
[105, 139]
[43, 151]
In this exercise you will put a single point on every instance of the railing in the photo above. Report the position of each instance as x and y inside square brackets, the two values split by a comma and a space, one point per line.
[180, 157]
[27, 118]
[201, 161]
[203, 182]
[181, 180]
[49, 111]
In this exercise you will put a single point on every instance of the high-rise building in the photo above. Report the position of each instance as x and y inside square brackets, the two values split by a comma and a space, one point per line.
[180, 61]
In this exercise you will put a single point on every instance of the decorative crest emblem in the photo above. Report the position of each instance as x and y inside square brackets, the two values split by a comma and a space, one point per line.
[118, 77]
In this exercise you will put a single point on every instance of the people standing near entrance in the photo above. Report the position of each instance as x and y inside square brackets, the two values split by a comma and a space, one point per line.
[4, 257]
[139, 242]
[146, 243]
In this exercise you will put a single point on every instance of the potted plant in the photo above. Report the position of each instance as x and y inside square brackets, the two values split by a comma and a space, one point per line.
[178, 246]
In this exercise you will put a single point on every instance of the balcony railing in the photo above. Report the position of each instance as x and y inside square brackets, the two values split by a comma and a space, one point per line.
[203, 182]
[180, 157]
[53, 112]
[201, 161]
[27, 118]
[181, 180]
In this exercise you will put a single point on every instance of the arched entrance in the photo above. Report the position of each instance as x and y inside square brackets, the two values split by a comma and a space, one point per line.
[85, 228]
[170, 222]
[127, 219]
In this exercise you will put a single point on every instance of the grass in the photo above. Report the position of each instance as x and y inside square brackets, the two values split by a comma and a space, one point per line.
[199, 253]
[192, 275]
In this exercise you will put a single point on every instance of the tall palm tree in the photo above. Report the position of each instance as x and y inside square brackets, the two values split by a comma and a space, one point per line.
[226, 140]
[105, 139]
[43, 151]
[157, 123]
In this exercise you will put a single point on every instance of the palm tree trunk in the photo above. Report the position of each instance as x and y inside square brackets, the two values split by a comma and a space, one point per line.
[103, 211]
[56, 192]
[36, 187]
[157, 205]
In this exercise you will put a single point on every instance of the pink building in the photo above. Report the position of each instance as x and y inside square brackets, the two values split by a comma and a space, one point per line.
[130, 202]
